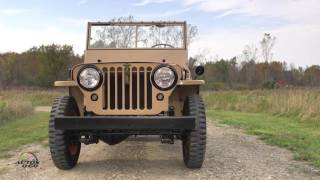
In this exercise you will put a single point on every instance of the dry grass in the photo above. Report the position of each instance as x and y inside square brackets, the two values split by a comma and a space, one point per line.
[36, 97]
[19, 103]
[14, 110]
[303, 104]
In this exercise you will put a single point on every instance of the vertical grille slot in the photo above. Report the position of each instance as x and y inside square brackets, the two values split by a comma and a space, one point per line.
[149, 88]
[106, 85]
[134, 88]
[112, 88]
[141, 88]
[119, 87]
[127, 85]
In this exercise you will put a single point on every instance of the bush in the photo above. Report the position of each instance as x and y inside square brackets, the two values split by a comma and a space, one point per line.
[240, 87]
[215, 86]
[14, 110]
[269, 85]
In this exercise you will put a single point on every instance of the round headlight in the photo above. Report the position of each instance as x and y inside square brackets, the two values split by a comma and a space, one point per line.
[89, 78]
[164, 77]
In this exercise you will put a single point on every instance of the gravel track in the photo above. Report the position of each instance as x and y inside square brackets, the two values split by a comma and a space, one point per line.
[230, 155]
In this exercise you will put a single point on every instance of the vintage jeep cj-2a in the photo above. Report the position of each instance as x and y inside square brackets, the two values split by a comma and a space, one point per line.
[134, 80]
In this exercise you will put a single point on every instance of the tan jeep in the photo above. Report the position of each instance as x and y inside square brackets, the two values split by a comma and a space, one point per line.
[134, 80]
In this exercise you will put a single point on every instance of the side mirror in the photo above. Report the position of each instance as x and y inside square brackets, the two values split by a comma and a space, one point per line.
[199, 70]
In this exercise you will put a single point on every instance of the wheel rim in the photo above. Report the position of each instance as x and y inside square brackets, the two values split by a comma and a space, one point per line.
[73, 149]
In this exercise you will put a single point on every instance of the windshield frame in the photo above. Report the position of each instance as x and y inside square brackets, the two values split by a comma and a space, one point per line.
[160, 23]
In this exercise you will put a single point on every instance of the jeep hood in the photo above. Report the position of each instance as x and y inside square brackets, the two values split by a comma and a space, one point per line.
[179, 57]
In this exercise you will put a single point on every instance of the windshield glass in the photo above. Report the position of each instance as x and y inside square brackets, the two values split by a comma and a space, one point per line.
[136, 36]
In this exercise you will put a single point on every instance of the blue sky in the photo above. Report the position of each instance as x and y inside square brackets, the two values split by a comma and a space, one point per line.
[225, 27]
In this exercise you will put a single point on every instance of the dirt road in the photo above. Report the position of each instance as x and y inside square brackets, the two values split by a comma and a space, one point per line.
[230, 155]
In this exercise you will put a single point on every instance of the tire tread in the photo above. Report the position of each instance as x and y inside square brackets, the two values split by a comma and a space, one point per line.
[59, 139]
[194, 144]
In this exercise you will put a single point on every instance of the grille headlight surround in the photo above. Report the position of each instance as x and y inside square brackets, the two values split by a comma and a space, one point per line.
[89, 78]
[164, 77]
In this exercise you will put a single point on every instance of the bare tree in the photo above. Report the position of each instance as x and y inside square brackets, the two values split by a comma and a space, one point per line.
[232, 72]
[115, 37]
[192, 34]
[249, 53]
[267, 44]
[125, 36]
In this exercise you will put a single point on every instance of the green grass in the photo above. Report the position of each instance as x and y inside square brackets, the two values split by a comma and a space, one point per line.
[19, 125]
[291, 133]
[2, 104]
[23, 131]
[286, 118]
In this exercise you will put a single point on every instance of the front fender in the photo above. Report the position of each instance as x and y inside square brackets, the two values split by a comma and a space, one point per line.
[184, 88]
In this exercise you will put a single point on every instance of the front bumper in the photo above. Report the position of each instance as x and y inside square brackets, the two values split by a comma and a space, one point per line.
[125, 123]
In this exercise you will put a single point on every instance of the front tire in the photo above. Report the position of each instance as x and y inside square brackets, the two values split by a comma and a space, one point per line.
[64, 145]
[194, 142]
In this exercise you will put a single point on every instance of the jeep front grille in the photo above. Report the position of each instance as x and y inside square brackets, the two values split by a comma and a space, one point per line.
[127, 88]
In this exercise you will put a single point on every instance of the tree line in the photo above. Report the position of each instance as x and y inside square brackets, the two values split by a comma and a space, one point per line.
[251, 71]
[41, 66]
[232, 74]
[38, 66]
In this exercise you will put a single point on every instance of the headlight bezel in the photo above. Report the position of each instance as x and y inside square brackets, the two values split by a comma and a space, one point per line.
[174, 72]
[100, 75]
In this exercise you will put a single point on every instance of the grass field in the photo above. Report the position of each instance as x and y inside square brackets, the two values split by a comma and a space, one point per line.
[302, 104]
[31, 129]
[15, 104]
[35, 97]
[286, 118]
[19, 124]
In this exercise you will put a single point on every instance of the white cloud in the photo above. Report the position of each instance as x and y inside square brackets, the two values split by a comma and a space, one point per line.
[146, 2]
[82, 2]
[298, 37]
[13, 11]
[225, 43]
[164, 14]
[19, 40]
[298, 44]
[298, 40]
[75, 21]
[291, 10]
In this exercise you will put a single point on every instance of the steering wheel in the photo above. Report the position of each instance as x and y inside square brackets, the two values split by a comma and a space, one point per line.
[162, 44]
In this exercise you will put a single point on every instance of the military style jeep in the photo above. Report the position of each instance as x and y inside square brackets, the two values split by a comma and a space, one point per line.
[134, 80]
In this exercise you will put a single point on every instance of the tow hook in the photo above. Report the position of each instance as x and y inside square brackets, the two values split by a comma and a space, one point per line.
[88, 139]
[167, 139]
